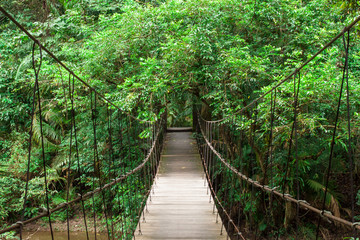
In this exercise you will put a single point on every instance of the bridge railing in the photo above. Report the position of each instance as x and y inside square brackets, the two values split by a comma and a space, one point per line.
[106, 159]
[252, 157]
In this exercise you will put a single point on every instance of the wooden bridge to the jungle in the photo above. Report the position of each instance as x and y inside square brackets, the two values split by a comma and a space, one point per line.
[181, 183]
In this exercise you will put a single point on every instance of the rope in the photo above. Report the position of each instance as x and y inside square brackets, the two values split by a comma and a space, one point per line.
[147, 156]
[148, 192]
[68, 171]
[294, 129]
[251, 170]
[232, 180]
[123, 218]
[64, 91]
[88, 194]
[334, 134]
[291, 139]
[302, 203]
[129, 160]
[157, 130]
[135, 182]
[111, 165]
[350, 157]
[29, 158]
[94, 161]
[37, 71]
[97, 163]
[71, 96]
[269, 151]
[216, 199]
[268, 159]
[296, 156]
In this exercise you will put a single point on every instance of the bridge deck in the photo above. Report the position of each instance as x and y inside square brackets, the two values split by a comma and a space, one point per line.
[180, 208]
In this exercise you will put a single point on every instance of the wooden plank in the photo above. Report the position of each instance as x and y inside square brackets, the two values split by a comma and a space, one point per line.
[180, 207]
[179, 129]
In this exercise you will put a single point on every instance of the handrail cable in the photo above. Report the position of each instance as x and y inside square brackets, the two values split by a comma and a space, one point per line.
[302, 203]
[88, 194]
[216, 199]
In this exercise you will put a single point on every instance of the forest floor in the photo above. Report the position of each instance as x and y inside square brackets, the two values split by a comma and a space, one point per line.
[76, 225]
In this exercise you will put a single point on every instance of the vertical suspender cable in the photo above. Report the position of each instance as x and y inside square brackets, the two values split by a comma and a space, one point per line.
[111, 165]
[37, 71]
[121, 202]
[296, 93]
[68, 173]
[31, 132]
[350, 157]
[98, 165]
[94, 166]
[79, 172]
[333, 140]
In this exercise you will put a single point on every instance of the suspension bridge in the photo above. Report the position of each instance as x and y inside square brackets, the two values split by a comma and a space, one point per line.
[194, 188]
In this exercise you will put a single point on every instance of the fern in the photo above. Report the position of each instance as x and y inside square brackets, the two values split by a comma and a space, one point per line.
[53, 116]
[60, 161]
[51, 137]
[331, 200]
[53, 178]
[25, 64]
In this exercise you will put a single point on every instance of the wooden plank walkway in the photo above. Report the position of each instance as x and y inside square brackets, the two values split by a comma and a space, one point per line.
[179, 207]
